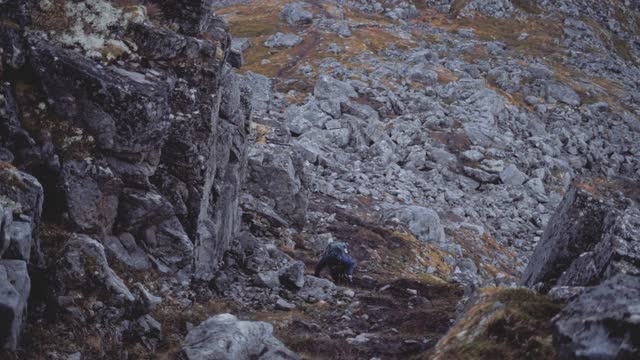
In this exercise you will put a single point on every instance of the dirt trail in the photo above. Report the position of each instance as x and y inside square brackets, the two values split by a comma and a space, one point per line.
[388, 311]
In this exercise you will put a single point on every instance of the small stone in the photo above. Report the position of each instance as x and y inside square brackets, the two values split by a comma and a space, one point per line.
[284, 305]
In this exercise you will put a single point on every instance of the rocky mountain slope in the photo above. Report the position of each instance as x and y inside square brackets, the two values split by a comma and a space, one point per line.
[481, 158]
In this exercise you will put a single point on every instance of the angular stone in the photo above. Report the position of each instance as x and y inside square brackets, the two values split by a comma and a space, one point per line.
[316, 289]
[278, 175]
[225, 337]
[423, 223]
[268, 279]
[92, 192]
[512, 176]
[125, 249]
[593, 235]
[82, 266]
[292, 275]
[281, 40]
[563, 94]
[328, 87]
[284, 305]
[601, 323]
[15, 286]
[297, 13]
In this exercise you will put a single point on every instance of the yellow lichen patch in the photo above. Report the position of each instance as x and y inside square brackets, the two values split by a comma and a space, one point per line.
[261, 131]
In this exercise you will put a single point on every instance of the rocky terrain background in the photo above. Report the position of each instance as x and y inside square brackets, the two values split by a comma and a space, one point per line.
[170, 172]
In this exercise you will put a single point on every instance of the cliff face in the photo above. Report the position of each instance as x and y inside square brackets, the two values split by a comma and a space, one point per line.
[136, 128]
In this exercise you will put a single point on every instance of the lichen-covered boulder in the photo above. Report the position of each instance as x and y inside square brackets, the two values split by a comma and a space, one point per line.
[225, 337]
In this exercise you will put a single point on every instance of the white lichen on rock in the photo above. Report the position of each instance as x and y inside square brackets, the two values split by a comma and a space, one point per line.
[92, 27]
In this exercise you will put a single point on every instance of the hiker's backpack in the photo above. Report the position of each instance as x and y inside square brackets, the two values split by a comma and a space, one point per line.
[336, 250]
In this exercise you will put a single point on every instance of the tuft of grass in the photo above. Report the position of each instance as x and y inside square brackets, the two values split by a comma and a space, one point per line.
[503, 323]
[529, 6]
[9, 175]
[456, 7]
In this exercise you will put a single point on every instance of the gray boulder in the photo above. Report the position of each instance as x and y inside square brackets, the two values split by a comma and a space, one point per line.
[82, 267]
[292, 275]
[593, 235]
[281, 40]
[297, 13]
[562, 93]
[422, 222]
[277, 174]
[21, 199]
[268, 279]
[15, 286]
[329, 88]
[21, 234]
[511, 175]
[481, 175]
[316, 289]
[261, 93]
[6, 219]
[601, 323]
[125, 249]
[150, 218]
[225, 337]
[423, 75]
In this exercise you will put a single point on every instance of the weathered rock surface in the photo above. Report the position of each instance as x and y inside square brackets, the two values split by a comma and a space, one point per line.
[592, 236]
[226, 337]
[297, 13]
[602, 323]
[15, 286]
[278, 176]
[82, 268]
[281, 40]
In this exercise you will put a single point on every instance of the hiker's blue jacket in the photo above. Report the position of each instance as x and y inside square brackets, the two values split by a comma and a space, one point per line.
[346, 262]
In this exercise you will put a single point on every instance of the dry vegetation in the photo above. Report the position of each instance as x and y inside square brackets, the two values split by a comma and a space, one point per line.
[514, 323]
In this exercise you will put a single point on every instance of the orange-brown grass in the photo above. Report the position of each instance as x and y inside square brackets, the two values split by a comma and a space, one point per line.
[445, 75]
[502, 323]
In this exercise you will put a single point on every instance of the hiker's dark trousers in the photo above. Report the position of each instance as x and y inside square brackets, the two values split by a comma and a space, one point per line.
[341, 266]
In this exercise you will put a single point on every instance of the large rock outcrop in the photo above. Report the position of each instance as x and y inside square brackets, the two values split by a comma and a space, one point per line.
[136, 129]
[117, 133]
[592, 236]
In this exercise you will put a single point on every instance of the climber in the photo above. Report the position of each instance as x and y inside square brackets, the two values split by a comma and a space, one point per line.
[336, 257]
